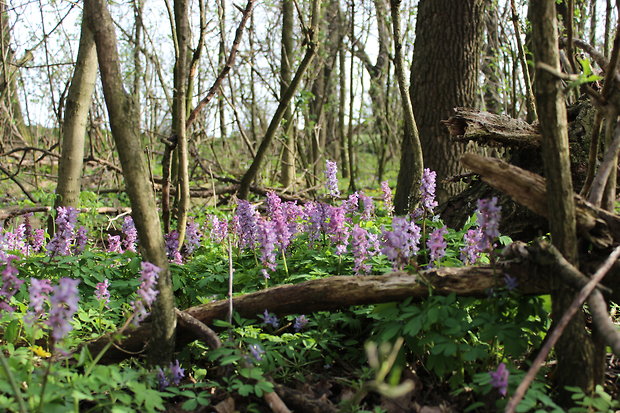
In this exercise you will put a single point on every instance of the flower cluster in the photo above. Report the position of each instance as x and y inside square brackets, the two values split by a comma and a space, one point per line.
[64, 236]
[369, 206]
[219, 229]
[436, 243]
[147, 291]
[172, 247]
[387, 197]
[360, 248]
[101, 291]
[488, 214]
[278, 216]
[270, 319]
[427, 190]
[401, 243]
[114, 244]
[331, 171]
[131, 234]
[192, 237]
[471, 251]
[39, 291]
[63, 305]
[300, 323]
[267, 241]
[173, 376]
[499, 379]
[247, 224]
[10, 282]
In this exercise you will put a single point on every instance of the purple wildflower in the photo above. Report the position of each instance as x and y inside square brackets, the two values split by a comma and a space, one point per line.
[16, 240]
[114, 244]
[331, 171]
[64, 236]
[317, 214]
[278, 217]
[81, 238]
[488, 214]
[471, 251]
[369, 206]
[162, 379]
[176, 372]
[436, 243]
[39, 291]
[172, 247]
[256, 351]
[499, 378]
[147, 291]
[101, 291]
[511, 282]
[294, 213]
[267, 241]
[387, 197]
[38, 238]
[300, 323]
[63, 304]
[270, 319]
[427, 190]
[247, 224]
[219, 229]
[351, 205]
[338, 232]
[10, 282]
[192, 237]
[359, 247]
[131, 234]
[401, 243]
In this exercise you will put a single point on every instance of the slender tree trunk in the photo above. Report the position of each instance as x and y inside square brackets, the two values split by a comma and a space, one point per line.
[248, 177]
[413, 172]
[122, 116]
[179, 114]
[575, 349]
[78, 103]
[221, 58]
[287, 174]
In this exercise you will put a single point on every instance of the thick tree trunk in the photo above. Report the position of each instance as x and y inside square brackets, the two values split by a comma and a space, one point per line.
[78, 103]
[444, 75]
[123, 121]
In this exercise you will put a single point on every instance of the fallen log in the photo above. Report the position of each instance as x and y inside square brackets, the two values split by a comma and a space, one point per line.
[341, 292]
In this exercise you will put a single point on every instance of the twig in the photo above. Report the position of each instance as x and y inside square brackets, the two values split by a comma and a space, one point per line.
[200, 329]
[229, 63]
[19, 184]
[559, 328]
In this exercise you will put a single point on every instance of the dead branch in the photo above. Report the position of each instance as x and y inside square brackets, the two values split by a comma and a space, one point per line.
[598, 226]
[491, 130]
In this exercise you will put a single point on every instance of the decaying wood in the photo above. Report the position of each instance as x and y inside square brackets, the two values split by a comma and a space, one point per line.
[302, 403]
[12, 212]
[598, 226]
[492, 130]
[340, 292]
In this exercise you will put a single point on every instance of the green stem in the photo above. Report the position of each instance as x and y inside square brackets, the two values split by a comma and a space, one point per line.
[12, 383]
[44, 385]
[285, 265]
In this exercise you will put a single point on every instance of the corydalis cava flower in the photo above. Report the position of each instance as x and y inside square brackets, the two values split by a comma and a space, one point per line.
[360, 249]
[192, 237]
[387, 197]
[10, 282]
[64, 236]
[401, 243]
[331, 171]
[101, 291]
[488, 214]
[172, 247]
[436, 244]
[63, 305]
[499, 379]
[277, 214]
[131, 234]
[147, 291]
[247, 224]
[427, 190]
[267, 242]
[471, 251]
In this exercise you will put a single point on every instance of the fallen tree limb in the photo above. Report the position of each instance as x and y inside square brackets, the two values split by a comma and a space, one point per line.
[491, 130]
[598, 226]
[12, 212]
[340, 292]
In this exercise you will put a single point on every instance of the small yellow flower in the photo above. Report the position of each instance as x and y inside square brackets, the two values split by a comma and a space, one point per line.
[38, 350]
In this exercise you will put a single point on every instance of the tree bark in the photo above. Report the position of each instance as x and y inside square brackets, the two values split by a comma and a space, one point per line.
[575, 349]
[287, 174]
[78, 103]
[123, 121]
[444, 75]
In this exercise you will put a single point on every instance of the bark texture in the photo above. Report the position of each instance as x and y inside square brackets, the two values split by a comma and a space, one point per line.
[79, 99]
[123, 121]
[444, 75]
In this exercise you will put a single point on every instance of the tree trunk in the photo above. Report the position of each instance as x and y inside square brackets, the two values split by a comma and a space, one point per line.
[287, 174]
[575, 350]
[78, 103]
[413, 172]
[123, 121]
[179, 113]
[444, 75]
